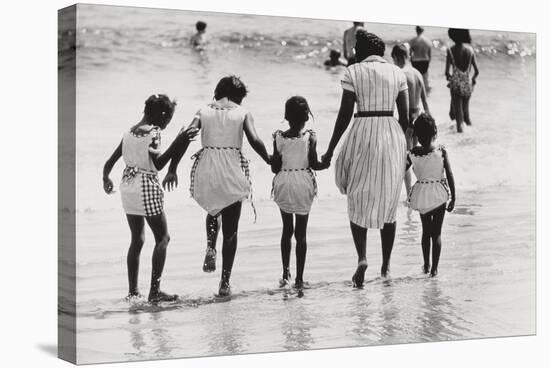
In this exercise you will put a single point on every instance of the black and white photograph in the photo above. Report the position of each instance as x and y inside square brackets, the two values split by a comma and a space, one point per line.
[234, 183]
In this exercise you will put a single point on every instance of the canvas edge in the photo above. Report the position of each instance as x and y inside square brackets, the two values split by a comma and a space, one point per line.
[66, 273]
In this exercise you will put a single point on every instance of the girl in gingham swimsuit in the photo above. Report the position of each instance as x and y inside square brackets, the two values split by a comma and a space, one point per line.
[141, 193]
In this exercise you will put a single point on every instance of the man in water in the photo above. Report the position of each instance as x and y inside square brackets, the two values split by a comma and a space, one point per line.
[421, 54]
[417, 93]
[349, 41]
[199, 40]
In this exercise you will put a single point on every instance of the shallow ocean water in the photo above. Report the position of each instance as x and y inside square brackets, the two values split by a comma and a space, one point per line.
[486, 285]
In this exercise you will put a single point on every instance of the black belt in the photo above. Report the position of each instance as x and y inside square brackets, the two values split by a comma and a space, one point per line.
[366, 114]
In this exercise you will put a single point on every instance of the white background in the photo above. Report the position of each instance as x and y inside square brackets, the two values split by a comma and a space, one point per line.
[28, 116]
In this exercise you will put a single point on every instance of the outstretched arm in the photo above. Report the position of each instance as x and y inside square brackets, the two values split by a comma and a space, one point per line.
[450, 180]
[178, 147]
[108, 167]
[314, 162]
[342, 121]
[255, 141]
[170, 181]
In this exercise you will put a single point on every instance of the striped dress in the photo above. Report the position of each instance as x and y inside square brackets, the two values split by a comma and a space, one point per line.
[371, 163]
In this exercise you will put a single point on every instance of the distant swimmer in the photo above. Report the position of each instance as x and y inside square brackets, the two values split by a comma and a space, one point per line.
[349, 41]
[421, 54]
[335, 59]
[199, 39]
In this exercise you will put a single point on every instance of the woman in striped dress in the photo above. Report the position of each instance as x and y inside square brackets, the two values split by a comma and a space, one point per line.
[371, 164]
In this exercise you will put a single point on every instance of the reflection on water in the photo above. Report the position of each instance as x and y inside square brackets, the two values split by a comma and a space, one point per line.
[162, 341]
[296, 327]
[389, 313]
[224, 330]
[136, 336]
[155, 342]
[359, 309]
[434, 309]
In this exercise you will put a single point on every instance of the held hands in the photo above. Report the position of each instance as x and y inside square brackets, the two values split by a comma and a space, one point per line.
[326, 158]
[188, 134]
[170, 181]
[108, 185]
[409, 132]
[451, 205]
[323, 165]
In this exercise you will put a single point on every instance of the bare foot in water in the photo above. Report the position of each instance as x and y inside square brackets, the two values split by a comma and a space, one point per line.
[224, 289]
[133, 296]
[358, 277]
[161, 296]
[385, 271]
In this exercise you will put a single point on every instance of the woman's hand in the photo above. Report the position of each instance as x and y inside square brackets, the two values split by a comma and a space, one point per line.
[451, 205]
[170, 181]
[473, 81]
[107, 185]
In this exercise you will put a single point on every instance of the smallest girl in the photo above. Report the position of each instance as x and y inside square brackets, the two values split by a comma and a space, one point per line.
[294, 186]
[429, 195]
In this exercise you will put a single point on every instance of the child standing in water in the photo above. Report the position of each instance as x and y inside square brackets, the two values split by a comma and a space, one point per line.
[142, 196]
[430, 193]
[220, 178]
[199, 40]
[294, 185]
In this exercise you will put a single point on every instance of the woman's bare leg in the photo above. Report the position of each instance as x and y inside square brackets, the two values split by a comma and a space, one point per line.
[359, 235]
[387, 235]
